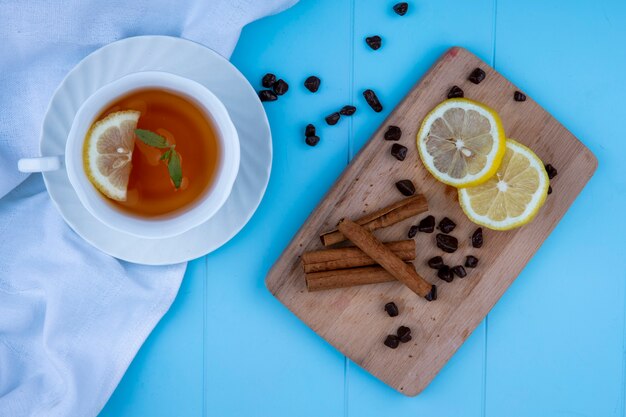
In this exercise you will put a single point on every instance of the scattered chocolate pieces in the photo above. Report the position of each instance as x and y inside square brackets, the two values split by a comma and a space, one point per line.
[392, 309]
[406, 187]
[432, 295]
[549, 189]
[332, 119]
[459, 271]
[309, 134]
[447, 243]
[446, 225]
[435, 262]
[471, 261]
[393, 133]
[519, 96]
[347, 110]
[427, 224]
[455, 92]
[412, 232]
[552, 172]
[477, 238]
[309, 130]
[401, 8]
[267, 95]
[312, 140]
[280, 87]
[374, 42]
[312, 83]
[392, 341]
[268, 80]
[398, 151]
[445, 273]
[372, 100]
[404, 334]
[477, 76]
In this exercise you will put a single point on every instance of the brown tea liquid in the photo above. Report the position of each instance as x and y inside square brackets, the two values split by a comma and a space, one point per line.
[151, 192]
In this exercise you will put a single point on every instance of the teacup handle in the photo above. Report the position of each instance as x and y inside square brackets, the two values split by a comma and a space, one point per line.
[41, 164]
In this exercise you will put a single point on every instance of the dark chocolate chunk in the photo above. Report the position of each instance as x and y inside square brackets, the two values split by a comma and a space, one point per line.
[432, 295]
[398, 151]
[459, 271]
[455, 92]
[268, 80]
[427, 224]
[445, 273]
[477, 238]
[392, 309]
[406, 187]
[401, 8]
[447, 243]
[372, 100]
[374, 42]
[446, 225]
[392, 341]
[552, 172]
[404, 334]
[309, 131]
[267, 95]
[393, 133]
[471, 261]
[347, 110]
[280, 87]
[519, 96]
[312, 140]
[477, 76]
[549, 189]
[412, 232]
[332, 119]
[435, 262]
[312, 83]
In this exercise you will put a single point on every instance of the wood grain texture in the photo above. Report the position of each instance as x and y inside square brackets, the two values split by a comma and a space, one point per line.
[352, 319]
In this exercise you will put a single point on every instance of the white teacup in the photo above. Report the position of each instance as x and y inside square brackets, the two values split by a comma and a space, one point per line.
[181, 221]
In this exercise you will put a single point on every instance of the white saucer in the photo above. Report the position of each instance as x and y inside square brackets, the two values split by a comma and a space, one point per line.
[187, 59]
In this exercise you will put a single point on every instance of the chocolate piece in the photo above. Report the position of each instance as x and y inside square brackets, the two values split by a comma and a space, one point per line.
[455, 92]
[393, 133]
[551, 171]
[267, 95]
[432, 295]
[268, 80]
[374, 42]
[398, 151]
[471, 261]
[332, 119]
[392, 309]
[406, 187]
[445, 273]
[401, 8]
[427, 224]
[446, 225]
[280, 87]
[372, 100]
[519, 96]
[392, 341]
[412, 232]
[477, 238]
[312, 83]
[404, 334]
[447, 243]
[312, 140]
[549, 189]
[309, 131]
[459, 271]
[477, 76]
[347, 110]
[435, 262]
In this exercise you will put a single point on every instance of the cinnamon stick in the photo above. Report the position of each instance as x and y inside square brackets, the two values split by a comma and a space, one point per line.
[341, 278]
[351, 257]
[384, 217]
[404, 273]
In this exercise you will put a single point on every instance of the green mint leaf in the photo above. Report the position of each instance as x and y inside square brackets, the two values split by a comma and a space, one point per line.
[166, 156]
[152, 139]
[174, 168]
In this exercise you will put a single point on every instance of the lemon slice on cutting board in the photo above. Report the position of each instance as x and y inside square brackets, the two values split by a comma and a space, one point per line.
[513, 196]
[108, 152]
[461, 142]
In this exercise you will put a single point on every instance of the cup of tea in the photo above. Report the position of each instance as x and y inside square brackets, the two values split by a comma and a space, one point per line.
[151, 154]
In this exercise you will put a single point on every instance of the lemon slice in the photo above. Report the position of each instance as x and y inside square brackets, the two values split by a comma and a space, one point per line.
[461, 142]
[108, 151]
[513, 196]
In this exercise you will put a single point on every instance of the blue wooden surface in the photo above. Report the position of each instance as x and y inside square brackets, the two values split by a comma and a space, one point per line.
[555, 343]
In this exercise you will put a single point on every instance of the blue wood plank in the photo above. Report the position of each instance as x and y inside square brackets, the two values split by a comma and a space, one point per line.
[556, 339]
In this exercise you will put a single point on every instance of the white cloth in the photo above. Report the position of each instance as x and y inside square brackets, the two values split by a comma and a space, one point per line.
[71, 317]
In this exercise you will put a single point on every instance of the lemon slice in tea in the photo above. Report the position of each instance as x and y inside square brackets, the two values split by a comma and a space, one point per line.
[108, 152]
[513, 196]
[461, 142]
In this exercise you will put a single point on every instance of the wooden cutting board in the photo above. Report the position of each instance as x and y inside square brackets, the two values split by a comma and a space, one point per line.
[353, 319]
